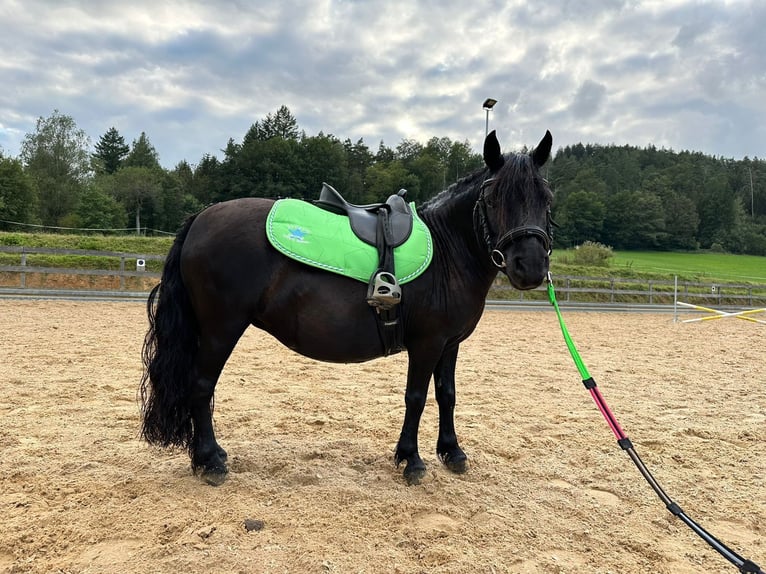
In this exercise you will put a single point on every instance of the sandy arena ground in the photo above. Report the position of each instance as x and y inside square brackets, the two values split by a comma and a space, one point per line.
[311, 446]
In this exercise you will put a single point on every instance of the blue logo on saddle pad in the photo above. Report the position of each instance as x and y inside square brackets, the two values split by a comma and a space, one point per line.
[297, 234]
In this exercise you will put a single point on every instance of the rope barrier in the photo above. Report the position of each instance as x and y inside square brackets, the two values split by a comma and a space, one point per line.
[88, 229]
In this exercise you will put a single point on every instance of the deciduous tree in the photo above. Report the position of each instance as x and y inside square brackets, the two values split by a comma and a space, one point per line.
[136, 188]
[56, 157]
[18, 200]
[97, 209]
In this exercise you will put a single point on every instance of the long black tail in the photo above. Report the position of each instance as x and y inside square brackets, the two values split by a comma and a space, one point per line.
[168, 354]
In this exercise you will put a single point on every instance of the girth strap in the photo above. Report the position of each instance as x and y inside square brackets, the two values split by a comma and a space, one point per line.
[384, 293]
[390, 330]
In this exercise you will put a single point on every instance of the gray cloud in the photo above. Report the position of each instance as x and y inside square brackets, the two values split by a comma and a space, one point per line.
[588, 100]
[679, 74]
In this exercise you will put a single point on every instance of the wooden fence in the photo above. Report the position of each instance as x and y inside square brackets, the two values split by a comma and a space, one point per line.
[108, 272]
[133, 275]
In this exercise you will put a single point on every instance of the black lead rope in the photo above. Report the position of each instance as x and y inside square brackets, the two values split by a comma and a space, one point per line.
[745, 566]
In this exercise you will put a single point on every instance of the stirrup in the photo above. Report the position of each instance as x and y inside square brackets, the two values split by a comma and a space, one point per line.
[384, 291]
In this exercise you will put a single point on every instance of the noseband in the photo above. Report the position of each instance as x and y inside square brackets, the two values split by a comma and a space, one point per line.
[496, 248]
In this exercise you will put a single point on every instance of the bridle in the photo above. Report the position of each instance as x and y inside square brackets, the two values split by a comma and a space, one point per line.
[496, 248]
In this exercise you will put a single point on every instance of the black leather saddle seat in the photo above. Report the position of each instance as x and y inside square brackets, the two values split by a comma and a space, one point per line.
[364, 218]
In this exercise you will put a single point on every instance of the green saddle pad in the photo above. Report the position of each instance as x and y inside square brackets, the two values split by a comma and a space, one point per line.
[319, 238]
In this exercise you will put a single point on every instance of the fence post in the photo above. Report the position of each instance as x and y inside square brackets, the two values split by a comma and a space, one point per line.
[23, 273]
[650, 291]
[122, 273]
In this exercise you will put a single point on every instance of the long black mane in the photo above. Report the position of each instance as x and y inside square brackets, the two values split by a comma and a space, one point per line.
[449, 216]
[516, 184]
[450, 198]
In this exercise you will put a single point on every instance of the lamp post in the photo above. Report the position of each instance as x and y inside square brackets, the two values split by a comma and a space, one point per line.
[489, 103]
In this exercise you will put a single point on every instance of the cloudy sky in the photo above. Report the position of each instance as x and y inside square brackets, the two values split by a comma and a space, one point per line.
[680, 74]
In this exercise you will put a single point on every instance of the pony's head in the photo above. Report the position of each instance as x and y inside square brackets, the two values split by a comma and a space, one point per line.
[513, 212]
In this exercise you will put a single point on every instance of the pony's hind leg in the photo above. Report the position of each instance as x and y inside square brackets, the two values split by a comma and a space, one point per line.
[447, 447]
[207, 457]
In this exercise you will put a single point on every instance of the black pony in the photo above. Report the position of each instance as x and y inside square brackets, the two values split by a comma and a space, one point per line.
[222, 275]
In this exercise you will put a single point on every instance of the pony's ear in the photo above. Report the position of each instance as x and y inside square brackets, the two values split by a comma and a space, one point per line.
[492, 156]
[543, 150]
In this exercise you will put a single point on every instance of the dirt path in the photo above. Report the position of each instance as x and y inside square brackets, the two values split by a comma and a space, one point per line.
[311, 448]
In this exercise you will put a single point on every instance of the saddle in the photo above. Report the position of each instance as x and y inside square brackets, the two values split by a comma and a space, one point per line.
[364, 219]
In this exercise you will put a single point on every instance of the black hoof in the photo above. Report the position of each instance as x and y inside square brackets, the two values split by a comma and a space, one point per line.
[457, 466]
[457, 463]
[414, 473]
[214, 477]
[214, 471]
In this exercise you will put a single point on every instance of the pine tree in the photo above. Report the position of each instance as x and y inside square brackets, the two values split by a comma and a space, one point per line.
[143, 154]
[282, 124]
[111, 151]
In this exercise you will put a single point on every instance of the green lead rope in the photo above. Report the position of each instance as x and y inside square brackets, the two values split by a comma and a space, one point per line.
[570, 344]
[744, 566]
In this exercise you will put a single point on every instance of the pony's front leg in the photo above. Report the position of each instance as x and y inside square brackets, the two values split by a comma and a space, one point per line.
[418, 376]
[447, 447]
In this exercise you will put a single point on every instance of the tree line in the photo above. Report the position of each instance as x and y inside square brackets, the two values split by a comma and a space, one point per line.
[656, 199]
[626, 197]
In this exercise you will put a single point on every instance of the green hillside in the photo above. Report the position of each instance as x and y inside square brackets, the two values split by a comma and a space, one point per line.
[704, 266]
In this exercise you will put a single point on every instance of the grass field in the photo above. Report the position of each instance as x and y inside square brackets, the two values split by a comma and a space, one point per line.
[717, 266]
[125, 243]
[699, 267]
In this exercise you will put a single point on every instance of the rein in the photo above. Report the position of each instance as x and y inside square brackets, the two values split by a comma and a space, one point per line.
[745, 566]
[496, 248]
